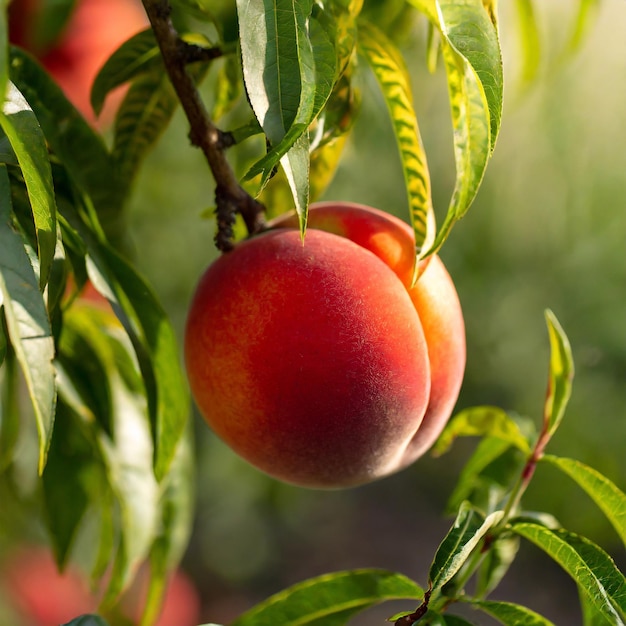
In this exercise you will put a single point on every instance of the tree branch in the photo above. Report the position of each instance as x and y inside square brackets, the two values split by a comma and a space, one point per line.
[230, 197]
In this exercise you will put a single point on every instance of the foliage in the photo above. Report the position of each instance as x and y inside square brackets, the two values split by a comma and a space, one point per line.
[89, 354]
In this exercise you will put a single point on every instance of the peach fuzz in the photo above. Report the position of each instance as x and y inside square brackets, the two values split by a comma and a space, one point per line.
[434, 296]
[309, 358]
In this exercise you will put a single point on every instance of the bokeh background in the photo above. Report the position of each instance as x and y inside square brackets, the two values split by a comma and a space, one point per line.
[548, 230]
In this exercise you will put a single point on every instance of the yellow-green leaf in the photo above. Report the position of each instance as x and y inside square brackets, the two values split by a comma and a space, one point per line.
[392, 76]
[560, 375]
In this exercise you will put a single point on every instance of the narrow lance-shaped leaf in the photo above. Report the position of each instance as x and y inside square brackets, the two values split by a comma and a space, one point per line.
[590, 614]
[560, 375]
[27, 321]
[471, 52]
[393, 79]
[470, 122]
[156, 347]
[319, 601]
[141, 119]
[469, 29]
[135, 56]
[592, 569]
[72, 139]
[482, 421]
[68, 480]
[512, 614]
[295, 163]
[609, 498]
[22, 128]
[269, 37]
[468, 529]
[130, 473]
[317, 66]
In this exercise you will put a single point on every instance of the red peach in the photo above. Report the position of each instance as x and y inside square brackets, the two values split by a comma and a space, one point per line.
[434, 296]
[309, 358]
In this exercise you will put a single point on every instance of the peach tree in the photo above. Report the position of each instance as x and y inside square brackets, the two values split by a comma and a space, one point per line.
[91, 372]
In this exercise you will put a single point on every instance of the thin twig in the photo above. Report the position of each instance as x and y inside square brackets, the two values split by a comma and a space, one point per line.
[231, 198]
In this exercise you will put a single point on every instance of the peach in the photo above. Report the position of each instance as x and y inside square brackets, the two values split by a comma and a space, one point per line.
[310, 358]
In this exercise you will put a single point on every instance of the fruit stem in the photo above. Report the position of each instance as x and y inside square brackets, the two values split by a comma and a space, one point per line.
[231, 198]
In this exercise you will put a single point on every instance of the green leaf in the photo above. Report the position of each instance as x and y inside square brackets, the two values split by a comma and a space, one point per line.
[296, 166]
[592, 569]
[22, 128]
[560, 375]
[390, 71]
[314, 49]
[80, 148]
[468, 529]
[130, 473]
[27, 321]
[138, 55]
[68, 481]
[319, 601]
[272, 45]
[470, 122]
[609, 498]
[529, 39]
[141, 119]
[512, 614]
[469, 29]
[124, 450]
[591, 615]
[155, 343]
[471, 52]
[482, 421]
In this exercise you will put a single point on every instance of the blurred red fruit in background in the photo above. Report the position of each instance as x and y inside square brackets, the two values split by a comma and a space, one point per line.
[95, 29]
[42, 596]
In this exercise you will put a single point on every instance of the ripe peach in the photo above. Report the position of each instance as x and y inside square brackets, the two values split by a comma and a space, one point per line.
[310, 358]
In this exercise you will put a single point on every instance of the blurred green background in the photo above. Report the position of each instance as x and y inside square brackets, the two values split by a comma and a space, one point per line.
[547, 230]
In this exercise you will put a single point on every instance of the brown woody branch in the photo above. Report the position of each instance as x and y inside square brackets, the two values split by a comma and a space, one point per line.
[230, 197]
